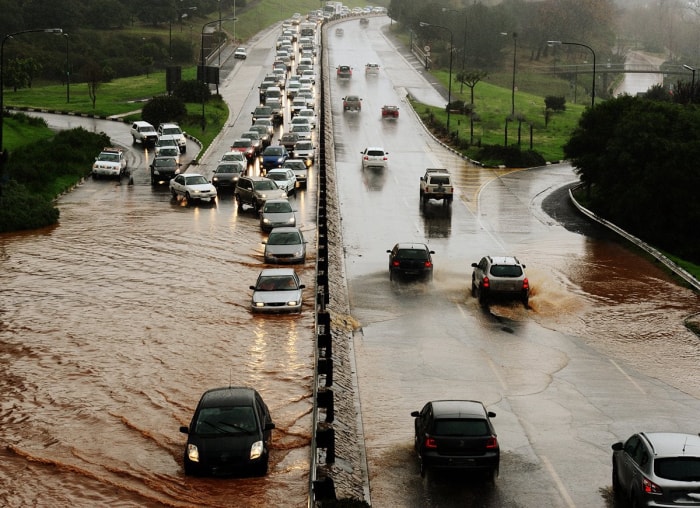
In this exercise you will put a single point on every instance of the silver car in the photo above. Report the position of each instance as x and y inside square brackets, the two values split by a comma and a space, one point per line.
[500, 277]
[285, 246]
[277, 290]
[276, 213]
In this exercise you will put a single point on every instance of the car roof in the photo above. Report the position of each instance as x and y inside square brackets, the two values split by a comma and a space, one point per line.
[504, 260]
[228, 396]
[271, 272]
[406, 245]
[375, 148]
[673, 444]
[286, 229]
[278, 170]
[458, 409]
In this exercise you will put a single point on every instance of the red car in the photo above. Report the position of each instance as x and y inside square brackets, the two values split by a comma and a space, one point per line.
[390, 112]
[245, 146]
[344, 71]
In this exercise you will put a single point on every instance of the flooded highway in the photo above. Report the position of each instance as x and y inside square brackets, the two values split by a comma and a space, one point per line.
[114, 322]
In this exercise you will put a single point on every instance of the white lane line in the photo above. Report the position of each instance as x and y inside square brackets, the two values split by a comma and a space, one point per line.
[632, 381]
[560, 486]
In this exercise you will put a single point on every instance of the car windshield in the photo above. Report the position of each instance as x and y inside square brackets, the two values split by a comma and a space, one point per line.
[232, 157]
[412, 254]
[682, 469]
[295, 165]
[226, 420]
[304, 146]
[375, 153]
[506, 271]
[277, 283]
[278, 177]
[440, 180]
[172, 131]
[165, 161]
[466, 428]
[291, 238]
[228, 168]
[241, 143]
[169, 150]
[109, 157]
[263, 185]
[280, 207]
[273, 151]
[195, 180]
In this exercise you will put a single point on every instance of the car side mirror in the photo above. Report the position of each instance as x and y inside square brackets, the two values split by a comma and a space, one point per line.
[252, 287]
[432, 252]
[302, 286]
[269, 426]
[617, 446]
[491, 414]
[474, 265]
[185, 430]
[414, 414]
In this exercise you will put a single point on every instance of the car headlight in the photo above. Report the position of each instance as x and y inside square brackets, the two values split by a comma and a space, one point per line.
[256, 450]
[192, 453]
[297, 253]
[215, 179]
[292, 303]
[266, 220]
[291, 220]
[259, 304]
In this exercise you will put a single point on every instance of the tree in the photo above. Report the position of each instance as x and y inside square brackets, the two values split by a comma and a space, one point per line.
[92, 74]
[471, 79]
[164, 108]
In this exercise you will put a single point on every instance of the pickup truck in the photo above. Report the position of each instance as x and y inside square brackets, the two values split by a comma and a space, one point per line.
[436, 183]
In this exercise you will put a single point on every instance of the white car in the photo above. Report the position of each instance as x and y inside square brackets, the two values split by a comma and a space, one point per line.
[372, 68]
[310, 114]
[300, 120]
[285, 179]
[374, 157]
[232, 156]
[192, 186]
[303, 131]
[111, 162]
[305, 151]
[174, 130]
[277, 290]
[240, 53]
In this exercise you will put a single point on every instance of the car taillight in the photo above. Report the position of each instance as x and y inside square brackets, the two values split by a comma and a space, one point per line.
[485, 282]
[430, 442]
[492, 443]
[428, 264]
[395, 263]
[650, 487]
[526, 283]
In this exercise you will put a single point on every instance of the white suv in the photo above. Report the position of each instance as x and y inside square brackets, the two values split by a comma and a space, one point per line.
[374, 157]
[144, 133]
[173, 129]
[500, 276]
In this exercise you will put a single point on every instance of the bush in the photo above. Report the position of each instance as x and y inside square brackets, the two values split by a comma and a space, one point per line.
[164, 108]
[20, 209]
[555, 103]
[192, 91]
[511, 157]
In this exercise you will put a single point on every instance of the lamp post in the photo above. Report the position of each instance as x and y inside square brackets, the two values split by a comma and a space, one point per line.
[559, 43]
[449, 85]
[692, 83]
[464, 47]
[515, 53]
[67, 71]
[2, 69]
[202, 61]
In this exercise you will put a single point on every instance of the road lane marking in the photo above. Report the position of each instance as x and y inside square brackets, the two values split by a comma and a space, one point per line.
[560, 486]
[632, 381]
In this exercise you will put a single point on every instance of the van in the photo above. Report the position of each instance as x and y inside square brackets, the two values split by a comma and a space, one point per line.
[273, 92]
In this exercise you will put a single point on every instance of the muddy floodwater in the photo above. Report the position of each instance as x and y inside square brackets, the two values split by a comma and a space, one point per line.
[112, 324]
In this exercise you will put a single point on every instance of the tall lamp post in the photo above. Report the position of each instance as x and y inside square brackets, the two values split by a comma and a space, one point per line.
[2, 69]
[559, 43]
[67, 71]
[464, 46]
[449, 85]
[515, 54]
[203, 62]
[692, 83]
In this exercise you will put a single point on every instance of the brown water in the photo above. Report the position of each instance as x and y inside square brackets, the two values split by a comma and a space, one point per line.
[113, 323]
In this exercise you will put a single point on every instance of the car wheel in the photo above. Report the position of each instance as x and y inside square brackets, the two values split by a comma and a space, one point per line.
[617, 491]
[422, 470]
[262, 468]
[239, 202]
[174, 194]
[188, 198]
[483, 299]
[391, 274]
[492, 476]
[526, 301]
[255, 205]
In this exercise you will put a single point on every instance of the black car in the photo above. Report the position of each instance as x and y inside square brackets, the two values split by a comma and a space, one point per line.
[657, 469]
[230, 433]
[411, 259]
[226, 174]
[456, 435]
[163, 169]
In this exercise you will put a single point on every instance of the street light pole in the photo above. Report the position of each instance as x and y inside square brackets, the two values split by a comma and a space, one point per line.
[559, 43]
[464, 46]
[449, 85]
[202, 62]
[2, 70]
[692, 84]
[67, 71]
[515, 53]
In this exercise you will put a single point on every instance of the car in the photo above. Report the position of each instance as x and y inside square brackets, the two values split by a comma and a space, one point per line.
[241, 53]
[310, 114]
[657, 469]
[305, 150]
[245, 146]
[260, 112]
[264, 134]
[343, 71]
[339, 31]
[292, 89]
[267, 123]
[226, 174]
[303, 131]
[168, 151]
[255, 138]
[110, 162]
[277, 290]
[352, 103]
[500, 277]
[364, 21]
[288, 140]
[298, 103]
[307, 94]
[277, 111]
[276, 213]
[230, 432]
[166, 141]
[411, 259]
[192, 186]
[285, 245]
[300, 120]
[284, 178]
[255, 190]
[163, 169]
[456, 435]
[390, 111]
[374, 157]
[173, 129]
[234, 156]
[309, 74]
[144, 133]
[301, 170]
[371, 69]
[273, 157]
